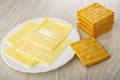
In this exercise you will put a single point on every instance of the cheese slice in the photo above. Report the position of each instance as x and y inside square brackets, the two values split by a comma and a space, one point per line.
[42, 55]
[20, 58]
[20, 33]
[49, 34]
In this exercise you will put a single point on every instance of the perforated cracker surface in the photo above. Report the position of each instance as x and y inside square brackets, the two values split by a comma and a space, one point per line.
[95, 12]
[89, 51]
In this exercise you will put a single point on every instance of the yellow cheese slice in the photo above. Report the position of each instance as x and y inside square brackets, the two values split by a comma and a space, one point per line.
[20, 58]
[44, 56]
[49, 34]
[23, 31]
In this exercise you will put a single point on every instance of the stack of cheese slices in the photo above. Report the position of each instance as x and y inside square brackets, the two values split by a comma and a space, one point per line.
[38, 43]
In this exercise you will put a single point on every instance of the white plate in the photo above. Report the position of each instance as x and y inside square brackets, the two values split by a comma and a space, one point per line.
[64, 57]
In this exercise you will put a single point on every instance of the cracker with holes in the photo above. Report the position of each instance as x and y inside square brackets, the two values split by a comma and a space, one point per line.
[89, 51]
[94, 18]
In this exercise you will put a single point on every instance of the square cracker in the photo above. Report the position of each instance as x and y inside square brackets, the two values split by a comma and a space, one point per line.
[95, 13]
[89, 51]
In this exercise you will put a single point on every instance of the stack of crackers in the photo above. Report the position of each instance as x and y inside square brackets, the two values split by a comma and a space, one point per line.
[95, 19]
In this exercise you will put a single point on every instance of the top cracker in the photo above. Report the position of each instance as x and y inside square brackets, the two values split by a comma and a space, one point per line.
[95, 13]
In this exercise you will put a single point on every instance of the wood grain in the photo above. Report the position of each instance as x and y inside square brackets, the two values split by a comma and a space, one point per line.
[13, 12]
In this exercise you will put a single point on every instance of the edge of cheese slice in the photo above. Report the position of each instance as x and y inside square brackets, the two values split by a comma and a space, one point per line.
[21, 32]
[20, 58]
[45, 57]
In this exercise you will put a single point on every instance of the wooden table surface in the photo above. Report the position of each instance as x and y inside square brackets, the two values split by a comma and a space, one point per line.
[13, 12]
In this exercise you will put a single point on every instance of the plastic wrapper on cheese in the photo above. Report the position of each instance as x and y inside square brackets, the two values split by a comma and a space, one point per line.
[29, 26]
[49, 34]
[20, 58]
[44, 56]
